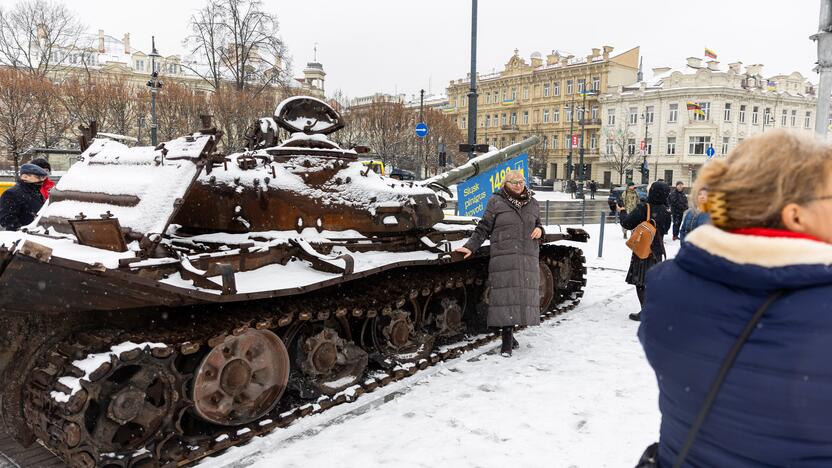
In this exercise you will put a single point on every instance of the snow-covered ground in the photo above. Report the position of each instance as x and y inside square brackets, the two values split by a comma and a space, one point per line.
[578, 393]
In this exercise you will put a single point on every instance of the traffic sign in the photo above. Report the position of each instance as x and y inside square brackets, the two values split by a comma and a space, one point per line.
[574, 140]
[421, 129]
[710, 152]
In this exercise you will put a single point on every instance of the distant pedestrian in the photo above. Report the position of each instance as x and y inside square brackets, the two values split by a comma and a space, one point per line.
[593, 187]
[660, 216]
[678, 202]
[512, 223]
[573, 187]
[47, 182]
[695, 216]
[754, 286]
[20, 204]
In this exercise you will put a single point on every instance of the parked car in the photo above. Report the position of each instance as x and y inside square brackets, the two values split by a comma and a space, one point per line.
[617, 192]
[402, 174]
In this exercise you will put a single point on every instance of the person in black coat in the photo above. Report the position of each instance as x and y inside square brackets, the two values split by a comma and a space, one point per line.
[656, 198]
[678, 202]
[20, 204]
[593, 187]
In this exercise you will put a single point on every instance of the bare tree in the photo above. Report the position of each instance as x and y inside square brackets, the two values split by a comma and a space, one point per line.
[620, 153]
[52, 120]
[37, 35]
[19, 110]
[387, 126]
[240, 42]
[235, 110]
[179, 108]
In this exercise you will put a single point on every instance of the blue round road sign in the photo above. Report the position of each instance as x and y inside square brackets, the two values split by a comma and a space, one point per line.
[421, 129]
[710, 152]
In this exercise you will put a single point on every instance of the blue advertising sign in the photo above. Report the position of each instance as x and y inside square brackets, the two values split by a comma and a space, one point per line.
[473, 194]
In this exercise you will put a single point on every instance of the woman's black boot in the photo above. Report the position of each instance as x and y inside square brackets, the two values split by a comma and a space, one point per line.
[505, 350]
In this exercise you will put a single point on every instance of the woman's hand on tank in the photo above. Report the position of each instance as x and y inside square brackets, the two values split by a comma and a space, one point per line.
[537, 233]
[465, 251]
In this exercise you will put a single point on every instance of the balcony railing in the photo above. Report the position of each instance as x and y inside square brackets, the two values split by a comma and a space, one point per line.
[590, 122]
[510, 128]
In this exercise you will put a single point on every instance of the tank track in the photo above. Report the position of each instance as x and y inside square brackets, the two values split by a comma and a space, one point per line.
[167, 432]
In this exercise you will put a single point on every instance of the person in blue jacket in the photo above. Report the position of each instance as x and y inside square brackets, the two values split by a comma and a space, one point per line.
[770, 231]
[694, 216]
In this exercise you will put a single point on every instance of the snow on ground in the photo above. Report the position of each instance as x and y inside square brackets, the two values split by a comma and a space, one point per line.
[578, 393]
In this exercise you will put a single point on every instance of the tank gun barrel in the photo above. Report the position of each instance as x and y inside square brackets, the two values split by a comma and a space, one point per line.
[479, 164]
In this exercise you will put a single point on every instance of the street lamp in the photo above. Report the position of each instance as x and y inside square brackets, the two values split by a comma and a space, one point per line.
[645, 169]
[155, 85]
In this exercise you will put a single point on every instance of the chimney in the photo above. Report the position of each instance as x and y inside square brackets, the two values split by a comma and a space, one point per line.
[713, 65]
[101, 41]
[596, 52]
[607, 51]
[735, 67]
[756, 69]
[552, 58]
[694, 62]
[126, 41]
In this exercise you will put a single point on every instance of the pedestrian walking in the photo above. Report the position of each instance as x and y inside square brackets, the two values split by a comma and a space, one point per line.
[512, 223]
[573, 187]
[678, 202]
[695, 216]
[48, 183]
[593, 187]
[20, 204]
[736, 326]
[660, 217]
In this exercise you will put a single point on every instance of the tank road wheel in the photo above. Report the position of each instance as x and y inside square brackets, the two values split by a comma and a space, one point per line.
[330, 362]
[568, 266]
[131, 405]
[395, 336]
[547, 286]
[241, 379]
[445, 312]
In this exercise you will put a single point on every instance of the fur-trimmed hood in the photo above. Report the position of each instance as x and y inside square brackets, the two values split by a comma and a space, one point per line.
[756, 262]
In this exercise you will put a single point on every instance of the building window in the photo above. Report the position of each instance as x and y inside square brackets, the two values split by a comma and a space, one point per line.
[767, 117]
[673, 113]
[807, 120]
[140, 65]
[595, 112]
[631, 146]
[784, 118]
[705, 114]
[671, 146]
[556, 88]
[513, 94]
[488, 98]
[742, 114]
[568, 87]
[503, 119]
[794, 118]
[462, 123]
[633, 115]
[649, 145]
[568, 113]
[648, 115]
[610, 116]
[699, 144]
[593, 141]
[513, 121]
[580, 111]
[725, 141]
[755, 111]
[556, 115]
[609, 147]
[555, 142]
[596, 83]
[525, 117]
[545, 115]
[581, 85]
[526, 92]
[726, 114]
[545, 89]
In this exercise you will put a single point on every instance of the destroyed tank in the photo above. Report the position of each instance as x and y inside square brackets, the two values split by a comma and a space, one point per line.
[169, 302]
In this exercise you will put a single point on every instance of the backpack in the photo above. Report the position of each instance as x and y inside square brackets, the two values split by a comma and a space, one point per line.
[642, 237]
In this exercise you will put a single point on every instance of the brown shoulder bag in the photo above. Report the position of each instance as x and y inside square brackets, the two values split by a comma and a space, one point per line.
[642, 237]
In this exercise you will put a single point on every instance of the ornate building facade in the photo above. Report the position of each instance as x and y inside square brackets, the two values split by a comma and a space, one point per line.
[555, 98]
[681, 114]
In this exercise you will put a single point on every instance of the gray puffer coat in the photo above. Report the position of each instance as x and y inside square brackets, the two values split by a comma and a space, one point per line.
[513, 271]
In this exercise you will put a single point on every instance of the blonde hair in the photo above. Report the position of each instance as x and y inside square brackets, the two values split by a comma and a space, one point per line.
[509, 174]
[762, 175]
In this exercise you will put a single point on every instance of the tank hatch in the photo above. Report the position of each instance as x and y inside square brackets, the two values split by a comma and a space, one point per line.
[304, 114]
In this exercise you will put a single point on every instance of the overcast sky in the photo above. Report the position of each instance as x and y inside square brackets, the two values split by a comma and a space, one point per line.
[368, 46]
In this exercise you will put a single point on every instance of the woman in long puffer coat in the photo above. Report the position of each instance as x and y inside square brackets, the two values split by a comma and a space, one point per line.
[659, 214]
[770, 233]
[512, 222]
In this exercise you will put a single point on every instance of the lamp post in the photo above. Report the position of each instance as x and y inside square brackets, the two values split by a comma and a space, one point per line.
[472, 93]
[155, 85]
[571, 126]
[645, 169]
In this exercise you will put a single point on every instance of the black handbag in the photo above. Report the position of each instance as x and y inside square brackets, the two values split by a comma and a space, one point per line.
[650, 457]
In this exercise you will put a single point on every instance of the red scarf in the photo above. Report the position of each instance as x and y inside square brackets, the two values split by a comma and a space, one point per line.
[769, 232]
[46, 187]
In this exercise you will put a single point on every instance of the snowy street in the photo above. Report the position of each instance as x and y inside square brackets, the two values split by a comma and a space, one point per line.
[578, 393]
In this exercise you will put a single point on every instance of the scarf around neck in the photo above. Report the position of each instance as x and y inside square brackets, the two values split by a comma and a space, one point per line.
[518, 200]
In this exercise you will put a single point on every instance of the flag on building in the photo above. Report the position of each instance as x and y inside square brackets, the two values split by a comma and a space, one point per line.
[508, 102]
[709, 53]
[696, 108]
[587, 92]
[771, 85]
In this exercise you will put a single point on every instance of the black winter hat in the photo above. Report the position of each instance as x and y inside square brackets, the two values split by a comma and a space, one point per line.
[41, 163]
[29, 168]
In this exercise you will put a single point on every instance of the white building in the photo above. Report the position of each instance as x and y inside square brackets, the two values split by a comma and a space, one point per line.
[735, 104]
